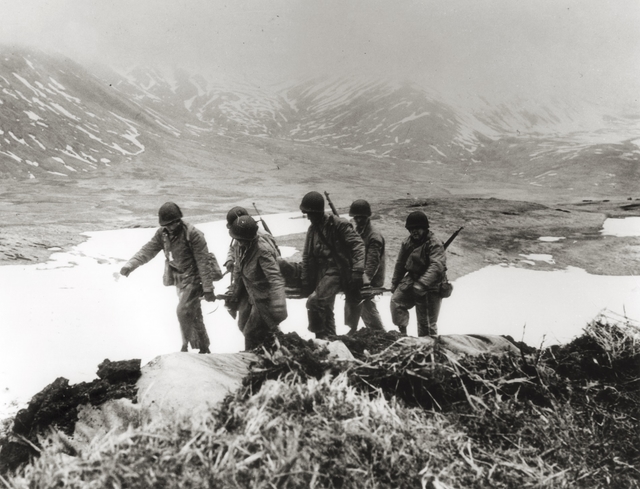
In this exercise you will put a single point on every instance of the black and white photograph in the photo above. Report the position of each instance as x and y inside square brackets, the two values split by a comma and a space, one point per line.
[319, 244]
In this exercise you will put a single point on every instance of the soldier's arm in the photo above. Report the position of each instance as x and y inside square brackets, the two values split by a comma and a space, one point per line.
[269, 265]
[200, 253]
[147, 252]
[230, 255]
[374, 254]
[437, 265]
[304, 264]
[399, 271]
[356, 245]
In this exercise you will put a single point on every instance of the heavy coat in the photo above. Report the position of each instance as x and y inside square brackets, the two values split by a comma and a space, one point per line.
[424, 264]
[232, 254]
[346, 242]
[258, 275]
[188, 259]
[375, 261]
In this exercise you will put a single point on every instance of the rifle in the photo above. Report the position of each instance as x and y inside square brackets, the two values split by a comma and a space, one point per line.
[452, 237]
[266, 227]
[333, 207]
[369, 292]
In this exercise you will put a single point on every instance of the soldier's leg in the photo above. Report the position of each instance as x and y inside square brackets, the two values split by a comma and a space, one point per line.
[401, 302]
[190, 317]
[183, 318]
[256, 330]
[320, 306]
[244, 309]
[352, 312]
[428, 310]
[370, 315]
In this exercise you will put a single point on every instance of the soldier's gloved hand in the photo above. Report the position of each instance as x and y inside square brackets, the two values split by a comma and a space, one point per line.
[419, 289]
[126, 270]
[356, 279]
[210, 296]
[366, 281]
[231, 305]
[229, 266]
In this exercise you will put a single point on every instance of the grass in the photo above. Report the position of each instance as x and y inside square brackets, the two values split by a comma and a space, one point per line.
[399, 416]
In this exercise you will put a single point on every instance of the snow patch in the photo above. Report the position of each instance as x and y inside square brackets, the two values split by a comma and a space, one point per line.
[625, 227]
[65, 111]
[539, 257]
[19, 140]
[10, 154]
[28, 85]
[33, 116]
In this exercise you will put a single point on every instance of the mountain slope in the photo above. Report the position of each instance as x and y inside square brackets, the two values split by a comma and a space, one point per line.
[59, 119]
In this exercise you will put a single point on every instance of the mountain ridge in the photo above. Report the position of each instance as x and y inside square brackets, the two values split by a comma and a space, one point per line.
[60, 119]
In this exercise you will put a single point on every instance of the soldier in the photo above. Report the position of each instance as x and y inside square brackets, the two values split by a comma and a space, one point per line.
[232, 215]
[189, 266]
[420, 269]
[374, 269]
[332, 260]
[258, 283]
[241, 308]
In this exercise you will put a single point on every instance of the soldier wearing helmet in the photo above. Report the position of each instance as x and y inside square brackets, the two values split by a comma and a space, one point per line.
[332, 261]
[374, 268]
[189, 266]
[420, 269]
[257, 290]
[232, 215]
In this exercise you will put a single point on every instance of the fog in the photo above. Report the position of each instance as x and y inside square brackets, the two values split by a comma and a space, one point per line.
[496, 48]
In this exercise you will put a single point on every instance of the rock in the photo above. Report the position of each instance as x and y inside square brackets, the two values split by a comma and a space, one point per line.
[114, 415]
[122, 371]
[337, 349]
[183, 384]
[460, 344]
[57, 405]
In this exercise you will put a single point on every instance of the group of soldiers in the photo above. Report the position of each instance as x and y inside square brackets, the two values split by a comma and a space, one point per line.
[337, 257]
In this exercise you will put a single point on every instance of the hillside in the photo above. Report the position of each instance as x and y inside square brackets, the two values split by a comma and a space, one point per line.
[85, 148]
[389, 412]
[61, 119]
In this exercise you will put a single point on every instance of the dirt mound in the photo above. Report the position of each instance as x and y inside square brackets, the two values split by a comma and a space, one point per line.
[56, 407]
[561, 417]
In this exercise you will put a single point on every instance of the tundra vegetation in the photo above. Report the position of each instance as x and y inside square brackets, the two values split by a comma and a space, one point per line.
[402, 414]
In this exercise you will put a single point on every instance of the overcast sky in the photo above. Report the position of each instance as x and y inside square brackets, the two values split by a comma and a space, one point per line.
[492, 47]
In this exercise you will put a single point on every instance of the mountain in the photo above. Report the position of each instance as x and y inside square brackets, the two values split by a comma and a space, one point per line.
[60, 118]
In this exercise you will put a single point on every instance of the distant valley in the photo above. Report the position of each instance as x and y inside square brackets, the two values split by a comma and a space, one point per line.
[86, 148]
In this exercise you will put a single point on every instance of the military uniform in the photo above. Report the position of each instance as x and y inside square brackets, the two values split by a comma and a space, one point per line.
[374, 271]
[419, 270]
[332, 251]
[258, 289]
[189, 268]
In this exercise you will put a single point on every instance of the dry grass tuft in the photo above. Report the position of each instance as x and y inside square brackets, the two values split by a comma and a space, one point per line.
[406, 416]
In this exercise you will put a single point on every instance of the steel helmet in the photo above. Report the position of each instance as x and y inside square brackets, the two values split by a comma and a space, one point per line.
[312, 202]
[234, 213]
[417, 219]
[168, 213]
[360, 208]
[244, 227]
